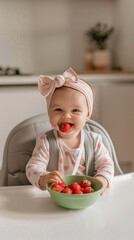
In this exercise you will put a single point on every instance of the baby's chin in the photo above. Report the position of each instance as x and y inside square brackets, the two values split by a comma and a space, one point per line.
[68, 135]
[65, 135]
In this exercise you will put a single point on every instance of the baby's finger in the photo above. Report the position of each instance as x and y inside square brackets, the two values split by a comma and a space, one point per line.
[54, 178]
[58, 174]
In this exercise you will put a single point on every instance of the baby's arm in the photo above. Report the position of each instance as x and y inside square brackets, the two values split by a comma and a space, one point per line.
[36, 168]
[37, 164]
[104, 165]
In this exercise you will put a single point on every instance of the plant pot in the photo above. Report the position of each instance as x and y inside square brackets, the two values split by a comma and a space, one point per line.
[102, 59]
[89, 59]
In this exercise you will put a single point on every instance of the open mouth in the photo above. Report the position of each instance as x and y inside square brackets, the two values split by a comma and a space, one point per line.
[64, 127]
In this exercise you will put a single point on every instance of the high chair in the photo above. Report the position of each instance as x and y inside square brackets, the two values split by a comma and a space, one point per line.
[21, 141]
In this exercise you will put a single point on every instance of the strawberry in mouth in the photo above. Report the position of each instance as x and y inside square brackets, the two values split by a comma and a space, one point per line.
[64, 127]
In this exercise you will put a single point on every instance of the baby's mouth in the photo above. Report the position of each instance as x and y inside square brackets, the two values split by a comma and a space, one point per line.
[64, 127]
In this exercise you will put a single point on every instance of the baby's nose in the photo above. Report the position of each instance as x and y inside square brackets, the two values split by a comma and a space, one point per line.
[67, 115]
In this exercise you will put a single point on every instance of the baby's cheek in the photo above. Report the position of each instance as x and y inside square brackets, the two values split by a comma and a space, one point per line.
[55, 126]
[53, 123]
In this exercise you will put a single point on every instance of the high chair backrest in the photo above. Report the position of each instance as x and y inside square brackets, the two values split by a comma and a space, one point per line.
[20, 144]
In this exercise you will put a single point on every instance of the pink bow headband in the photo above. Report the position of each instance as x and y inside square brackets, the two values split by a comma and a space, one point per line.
[69, 78]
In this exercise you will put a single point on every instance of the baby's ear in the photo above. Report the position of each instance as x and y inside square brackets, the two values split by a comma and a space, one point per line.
[87, 118]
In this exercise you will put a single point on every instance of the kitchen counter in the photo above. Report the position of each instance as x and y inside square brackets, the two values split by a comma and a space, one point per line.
[97, 78]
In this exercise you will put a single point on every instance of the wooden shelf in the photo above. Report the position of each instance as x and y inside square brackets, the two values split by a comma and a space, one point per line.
[93, 71]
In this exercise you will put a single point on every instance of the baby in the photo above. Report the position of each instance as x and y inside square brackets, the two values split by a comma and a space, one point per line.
[70, 105]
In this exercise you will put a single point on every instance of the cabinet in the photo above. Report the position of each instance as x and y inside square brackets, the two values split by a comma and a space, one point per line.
[16, 104]
[115, 111]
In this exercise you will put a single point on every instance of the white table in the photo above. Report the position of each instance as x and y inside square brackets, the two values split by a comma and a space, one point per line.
[27, 213]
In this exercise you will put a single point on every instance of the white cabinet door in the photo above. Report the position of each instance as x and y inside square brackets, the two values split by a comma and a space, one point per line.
[117, 116]
[97, 102]
[16, 104]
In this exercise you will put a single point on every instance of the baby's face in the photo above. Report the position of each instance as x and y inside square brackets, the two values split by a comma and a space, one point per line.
[68, 111]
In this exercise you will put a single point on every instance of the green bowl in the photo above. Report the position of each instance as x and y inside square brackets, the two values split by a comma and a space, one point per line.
[76, 201]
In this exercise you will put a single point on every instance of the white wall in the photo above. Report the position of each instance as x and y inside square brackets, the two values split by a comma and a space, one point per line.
[84, 14]
[48, 36]
[124, 36]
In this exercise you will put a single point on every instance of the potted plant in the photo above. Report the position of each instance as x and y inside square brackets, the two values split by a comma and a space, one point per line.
[98, 35]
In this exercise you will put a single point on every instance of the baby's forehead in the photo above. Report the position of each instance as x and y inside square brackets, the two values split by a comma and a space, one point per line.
[64, 88]
[66, 95]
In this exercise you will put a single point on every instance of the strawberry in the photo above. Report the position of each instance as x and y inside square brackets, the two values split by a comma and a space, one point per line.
[57, 187]
[75, 187]
[67, 190]
[64, 127]
[88, 190]
[63, 184]
[78, 191]
[85, 183]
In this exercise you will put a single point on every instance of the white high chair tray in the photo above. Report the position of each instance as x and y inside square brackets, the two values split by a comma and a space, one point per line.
[27, 213]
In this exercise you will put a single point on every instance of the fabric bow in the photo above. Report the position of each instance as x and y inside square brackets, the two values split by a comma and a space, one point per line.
[47, 84]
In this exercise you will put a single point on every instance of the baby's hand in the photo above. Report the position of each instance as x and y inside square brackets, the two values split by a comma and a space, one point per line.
[104, 182]
[54, 176]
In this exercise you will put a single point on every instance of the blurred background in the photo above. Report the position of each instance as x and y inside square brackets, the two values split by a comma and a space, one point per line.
[48, 36]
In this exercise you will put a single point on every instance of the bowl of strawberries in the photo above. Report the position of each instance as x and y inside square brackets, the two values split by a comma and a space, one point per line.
[75, 192]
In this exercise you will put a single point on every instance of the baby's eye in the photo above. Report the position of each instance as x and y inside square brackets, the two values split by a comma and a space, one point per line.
[58, 110]
[76, 110]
